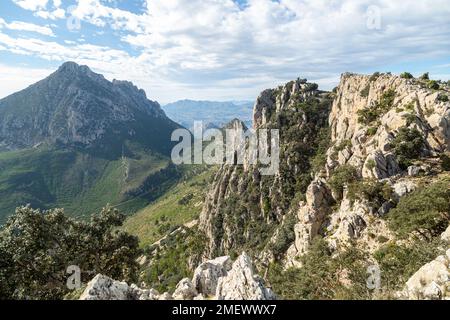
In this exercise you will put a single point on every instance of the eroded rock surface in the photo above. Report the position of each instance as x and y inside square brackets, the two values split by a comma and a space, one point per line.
[215, 279]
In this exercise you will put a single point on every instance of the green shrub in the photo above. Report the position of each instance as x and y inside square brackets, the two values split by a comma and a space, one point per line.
[399, 262]
[365, 91]
[285, 237]
[323, 142]
[373, 191]
[406, 75]
[407, 146]
[425, 212]
[445, 164]
[37, 247]
[443, 98]
[374, 76]
[425, 76]
[319, 276]
[372, 131]
[410, 106]
[410, 118]
[186, 199]
[342, 145]
[371, 164]
[369, 115]
[170, 263]
[432, 84]
[342, 176]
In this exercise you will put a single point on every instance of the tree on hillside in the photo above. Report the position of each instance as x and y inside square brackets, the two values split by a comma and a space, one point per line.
[37, 247]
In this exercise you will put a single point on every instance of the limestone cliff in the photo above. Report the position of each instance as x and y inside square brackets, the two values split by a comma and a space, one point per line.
[244, 208]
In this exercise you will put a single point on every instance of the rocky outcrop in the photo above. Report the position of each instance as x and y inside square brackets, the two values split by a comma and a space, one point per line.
[207, 274]
[368, 116]
[311, 217]
[240, 283]
[105, 288]
[216, 279]
[406, 102]
[445, 236]
[366, 146]
[431, 282]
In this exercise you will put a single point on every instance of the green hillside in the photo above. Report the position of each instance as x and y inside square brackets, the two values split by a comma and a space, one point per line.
[79, 182]
[181, 204]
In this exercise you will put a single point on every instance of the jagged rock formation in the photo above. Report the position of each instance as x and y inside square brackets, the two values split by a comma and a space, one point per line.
[431, 282]
[241, 283]
[216, 279]
[407, 104]
[366, 144]
[243, 207]
[207, 274]
[384, 129]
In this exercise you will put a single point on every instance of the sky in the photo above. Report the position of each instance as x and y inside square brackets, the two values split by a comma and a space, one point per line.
[222, 49]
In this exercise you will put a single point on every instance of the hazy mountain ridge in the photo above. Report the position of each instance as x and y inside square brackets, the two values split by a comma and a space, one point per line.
[214, 114]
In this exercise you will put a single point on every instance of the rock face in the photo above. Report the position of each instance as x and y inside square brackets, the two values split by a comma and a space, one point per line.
[208, 273]
[311, 216]
[431, 282]
[241, 283]
[370, 142]
[366, 146]
[218, 279]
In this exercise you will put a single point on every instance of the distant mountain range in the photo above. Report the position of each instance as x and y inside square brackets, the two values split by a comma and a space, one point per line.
[212, 113]
[78, 141]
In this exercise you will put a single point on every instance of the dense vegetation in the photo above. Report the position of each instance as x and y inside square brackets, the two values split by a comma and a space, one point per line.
[342, 176]
[371, 114]
[424, 213]
[398, 262]
[36, 249]
[407, 146]
[80, 182]
[323, 276]
[173, 259]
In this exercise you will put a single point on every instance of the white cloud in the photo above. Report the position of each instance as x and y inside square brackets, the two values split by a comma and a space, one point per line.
[14, 79]
[40, 8]
[56, 14]
[218, 49]
[31, 4]
[25, 26]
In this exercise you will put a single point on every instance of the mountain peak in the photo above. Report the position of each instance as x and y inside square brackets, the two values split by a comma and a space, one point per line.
[71, 67]
[75, 105]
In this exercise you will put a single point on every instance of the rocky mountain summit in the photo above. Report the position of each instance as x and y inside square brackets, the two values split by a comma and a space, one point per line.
[78, 141]
[219, 279]
[75, 106]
